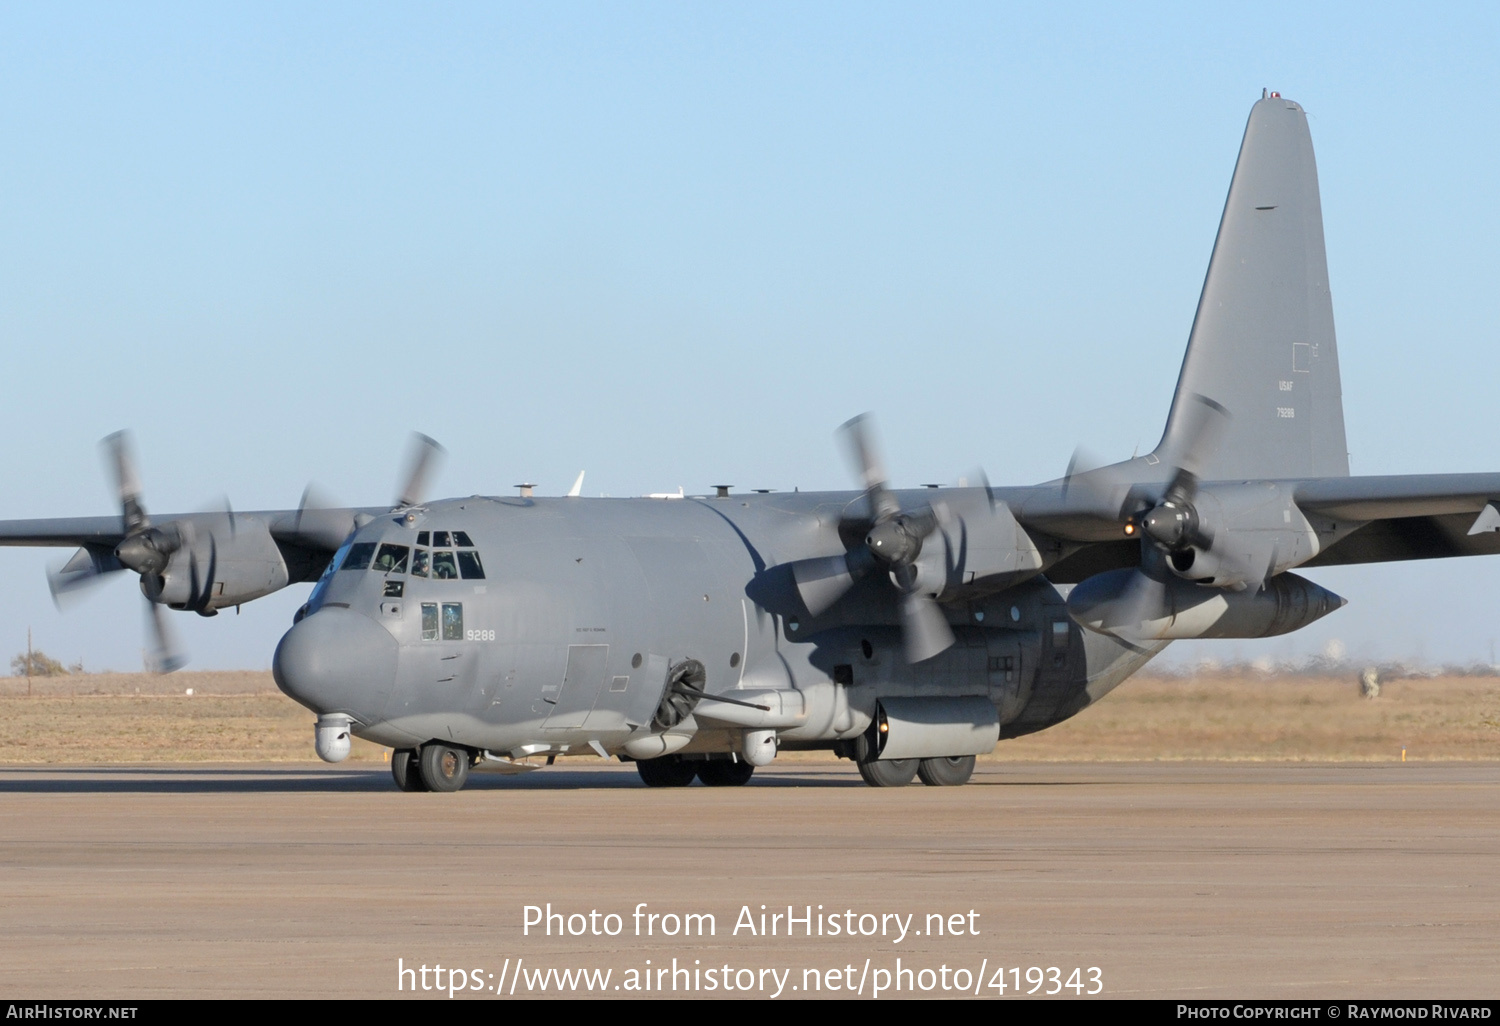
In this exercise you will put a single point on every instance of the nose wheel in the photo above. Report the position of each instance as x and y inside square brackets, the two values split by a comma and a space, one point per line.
[433, 767]
[723, 773]
[666, 771]
[404, 770]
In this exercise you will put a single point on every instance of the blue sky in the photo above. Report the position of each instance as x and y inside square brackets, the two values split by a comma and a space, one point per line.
[678, 244]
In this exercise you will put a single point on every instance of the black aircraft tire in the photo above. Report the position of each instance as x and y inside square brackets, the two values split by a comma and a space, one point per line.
[888, 773]
[724, 773]
[443, 768]
[404, 770]
[948, 772]
[666, 771]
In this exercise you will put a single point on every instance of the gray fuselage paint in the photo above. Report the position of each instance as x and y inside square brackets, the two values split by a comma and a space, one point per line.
[589, 601]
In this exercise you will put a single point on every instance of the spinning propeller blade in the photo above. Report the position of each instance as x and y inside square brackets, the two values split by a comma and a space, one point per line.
[423, 453]
[892, 542]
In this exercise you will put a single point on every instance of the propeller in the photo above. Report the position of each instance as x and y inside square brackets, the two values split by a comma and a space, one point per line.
[422, 455]
[1173, 525]
[1176, 537]
[145, 549]
[893, 542]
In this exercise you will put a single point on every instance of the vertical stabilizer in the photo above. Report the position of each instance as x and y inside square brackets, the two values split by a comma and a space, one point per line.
[1262, 344]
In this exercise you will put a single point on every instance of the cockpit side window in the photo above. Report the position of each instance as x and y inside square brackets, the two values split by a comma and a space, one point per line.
[422, 538]
[443, 566]
[453, 621]
[392, 559]
[419, 562]
[429, 621]
[468, 562]
[359, 556]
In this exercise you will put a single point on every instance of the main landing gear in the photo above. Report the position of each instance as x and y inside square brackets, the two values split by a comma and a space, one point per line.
[943, 772]
[433, 767]
[675, 771]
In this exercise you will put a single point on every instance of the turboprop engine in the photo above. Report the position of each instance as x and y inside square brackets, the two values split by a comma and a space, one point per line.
[205, 562]
[925, 550]
[1134, 605]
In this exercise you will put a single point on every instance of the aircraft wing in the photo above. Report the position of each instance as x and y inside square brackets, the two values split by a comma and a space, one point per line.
[323, 529]
[305, 538]
[61, 531]
[1409, 516]
[1395, 517]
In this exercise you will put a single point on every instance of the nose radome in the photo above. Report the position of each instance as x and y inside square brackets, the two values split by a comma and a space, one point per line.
[336, 660]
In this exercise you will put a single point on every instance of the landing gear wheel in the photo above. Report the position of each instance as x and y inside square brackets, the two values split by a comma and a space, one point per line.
[889, 772]
[443, 768]
[723, 773]
[666, 771]
[948, 772]
[405, 771]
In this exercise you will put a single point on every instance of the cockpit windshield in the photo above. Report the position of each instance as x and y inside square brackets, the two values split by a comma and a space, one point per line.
[391, 559]
[460, 562]
[359, 556]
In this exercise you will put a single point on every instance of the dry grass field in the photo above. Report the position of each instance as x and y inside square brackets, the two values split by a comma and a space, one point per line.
[241, 717]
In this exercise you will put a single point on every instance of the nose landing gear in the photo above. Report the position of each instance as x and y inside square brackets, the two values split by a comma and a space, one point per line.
[666, 771]
[404, 770]
[724, 773]
[433, 767]
[443, 768]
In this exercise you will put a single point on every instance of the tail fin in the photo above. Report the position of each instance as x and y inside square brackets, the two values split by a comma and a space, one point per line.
[1262, 344]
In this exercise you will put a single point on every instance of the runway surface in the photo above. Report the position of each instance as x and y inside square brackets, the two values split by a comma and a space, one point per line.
[1191, 880]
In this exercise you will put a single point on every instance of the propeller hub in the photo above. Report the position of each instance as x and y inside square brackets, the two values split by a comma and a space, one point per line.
[1170, 525]
[147, 552]
[890, 542]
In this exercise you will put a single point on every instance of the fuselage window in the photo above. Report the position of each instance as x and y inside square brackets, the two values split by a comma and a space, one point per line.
[392, 559]
[440, 540]
[461, 540]
[443, 566]
[468, 562]
[453, 621]
[429, 621]
[359, 556]
[422, 538]
[419, 563]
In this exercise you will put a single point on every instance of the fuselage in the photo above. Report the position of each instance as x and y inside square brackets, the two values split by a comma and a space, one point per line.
[521, 626]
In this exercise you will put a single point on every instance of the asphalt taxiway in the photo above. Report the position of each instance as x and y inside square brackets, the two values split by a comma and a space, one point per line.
[1179, 880]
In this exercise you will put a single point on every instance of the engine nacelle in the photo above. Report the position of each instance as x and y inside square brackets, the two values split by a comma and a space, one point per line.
[975, 541]
[220, 562]
[1131, 605]
[1256, 532]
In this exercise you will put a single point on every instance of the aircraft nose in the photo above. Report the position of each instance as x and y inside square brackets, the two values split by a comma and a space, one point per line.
[336, 660]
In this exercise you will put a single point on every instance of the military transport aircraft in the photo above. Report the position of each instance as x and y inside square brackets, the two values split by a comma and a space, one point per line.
[905, 630]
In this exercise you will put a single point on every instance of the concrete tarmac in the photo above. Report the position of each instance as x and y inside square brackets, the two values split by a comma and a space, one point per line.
[1172, 880]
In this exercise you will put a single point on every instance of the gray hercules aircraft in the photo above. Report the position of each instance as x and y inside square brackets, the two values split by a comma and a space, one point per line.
[908, 631]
